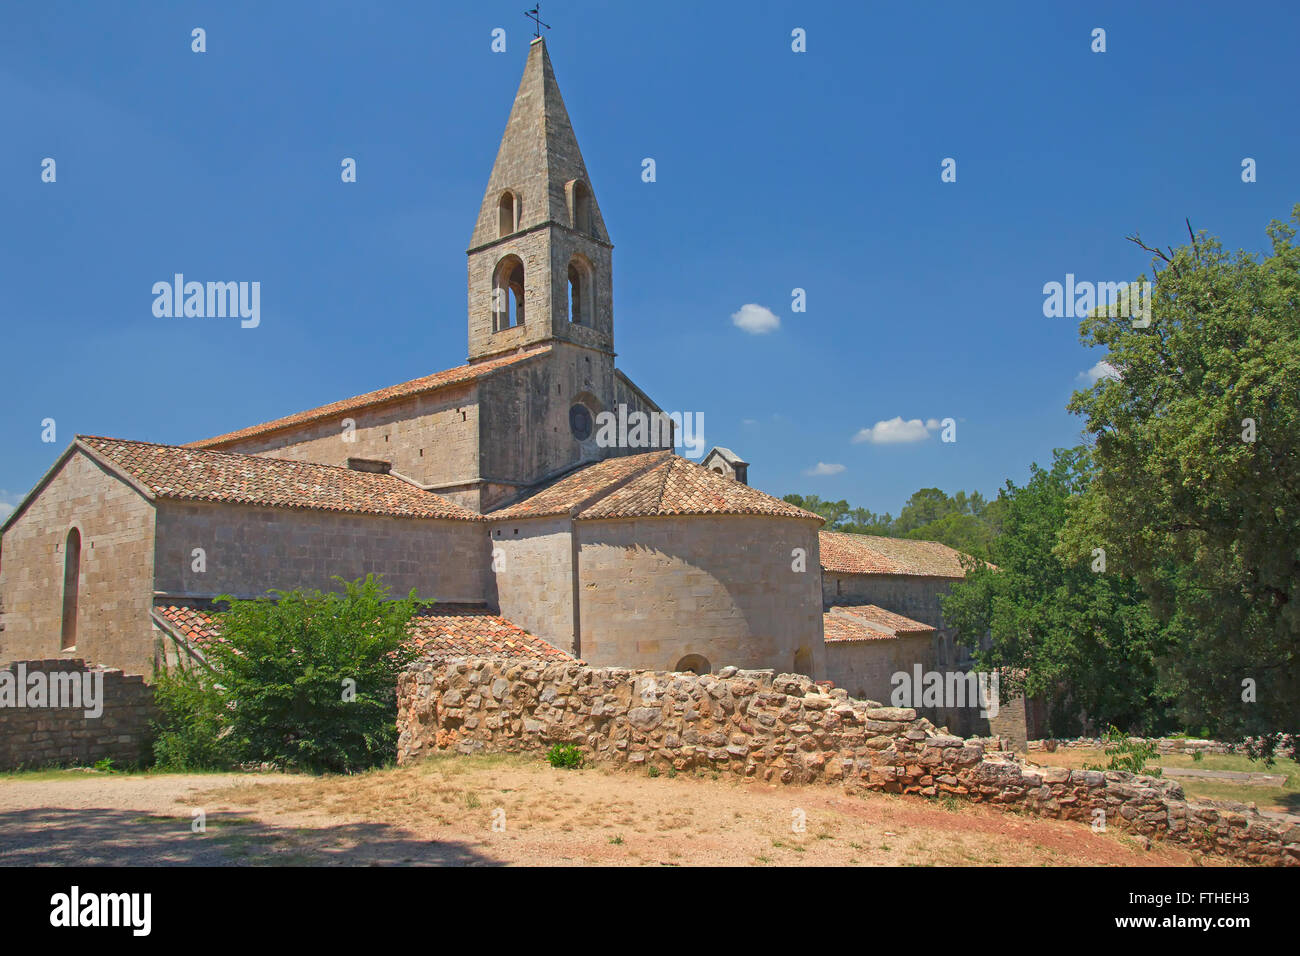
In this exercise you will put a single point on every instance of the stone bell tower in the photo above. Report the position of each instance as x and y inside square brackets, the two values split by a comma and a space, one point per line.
[539, 259]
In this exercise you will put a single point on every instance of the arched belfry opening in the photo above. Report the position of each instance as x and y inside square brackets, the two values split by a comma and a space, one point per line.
[509, 213]
[582, 295]
[71, 586]
[508, 294]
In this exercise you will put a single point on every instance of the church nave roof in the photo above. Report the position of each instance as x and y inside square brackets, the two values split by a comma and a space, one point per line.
[191, 474]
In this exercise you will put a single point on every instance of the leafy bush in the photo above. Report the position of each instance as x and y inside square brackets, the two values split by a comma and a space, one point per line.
[566, 756]
[312, 676]
[1127, 754]
[191, 721]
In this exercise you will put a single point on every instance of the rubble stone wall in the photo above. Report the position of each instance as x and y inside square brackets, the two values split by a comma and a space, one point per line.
[785, 728]
[1164, 745]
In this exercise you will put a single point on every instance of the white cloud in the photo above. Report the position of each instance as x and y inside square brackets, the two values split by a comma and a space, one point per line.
[824, 469]
[8, 503]
[897, 432]
[755, 319]
[1099, 371]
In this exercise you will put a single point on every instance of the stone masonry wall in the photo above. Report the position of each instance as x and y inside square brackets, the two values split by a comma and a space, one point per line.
[116, 524]
[431, 438]
[785, 728]
[533, 561]
[726, 589]
[249, 549]
[36, 737]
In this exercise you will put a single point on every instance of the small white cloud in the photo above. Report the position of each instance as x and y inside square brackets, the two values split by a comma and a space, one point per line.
[8, 503]
[1097, 373]
[748, 422]
[824, 469]
[896, 431]
[755, 319]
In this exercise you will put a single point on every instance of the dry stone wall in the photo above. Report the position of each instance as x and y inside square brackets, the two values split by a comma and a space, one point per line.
[1164, 745]
[48, 736]
[785, 728]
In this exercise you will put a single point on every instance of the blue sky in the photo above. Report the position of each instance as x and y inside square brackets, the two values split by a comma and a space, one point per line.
[775, 170]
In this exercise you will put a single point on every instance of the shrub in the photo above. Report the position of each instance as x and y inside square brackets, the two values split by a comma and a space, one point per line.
[566, 756]
[312, 676]
[1127, 754]
[191, 721]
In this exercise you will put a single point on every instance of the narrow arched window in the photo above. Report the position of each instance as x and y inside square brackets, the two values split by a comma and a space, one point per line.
[508, 294]
[581, 207]
[71, 583]
[509, 212]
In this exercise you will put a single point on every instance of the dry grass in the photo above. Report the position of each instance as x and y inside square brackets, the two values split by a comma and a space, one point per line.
[601, 816]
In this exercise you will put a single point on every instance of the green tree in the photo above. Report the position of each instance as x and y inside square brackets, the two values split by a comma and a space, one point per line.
[1059, 629]
[311, 677]
[924, 507]
[1198, 490]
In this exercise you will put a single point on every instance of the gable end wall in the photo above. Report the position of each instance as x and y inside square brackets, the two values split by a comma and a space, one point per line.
[115, 591]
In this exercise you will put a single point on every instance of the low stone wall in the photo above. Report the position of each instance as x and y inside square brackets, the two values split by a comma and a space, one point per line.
[784, 728]
[1164, 745]
[39, 734]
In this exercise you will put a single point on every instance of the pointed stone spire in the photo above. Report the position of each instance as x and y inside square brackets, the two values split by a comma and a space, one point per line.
[539, 162]
[540, 262]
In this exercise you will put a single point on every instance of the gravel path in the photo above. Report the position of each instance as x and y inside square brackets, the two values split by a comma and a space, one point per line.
[119, 820]
[444, 813]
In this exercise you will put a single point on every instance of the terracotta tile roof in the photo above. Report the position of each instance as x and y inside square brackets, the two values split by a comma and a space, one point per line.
[418, 386]
[444, 630]
[868, 622]
[843, 627]
[870, 554]
[576, 489]
[192, 624]
[467, 630]
[170, 471]
[677, 486]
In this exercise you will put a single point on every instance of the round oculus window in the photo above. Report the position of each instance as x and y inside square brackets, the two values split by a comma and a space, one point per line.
[580, 422]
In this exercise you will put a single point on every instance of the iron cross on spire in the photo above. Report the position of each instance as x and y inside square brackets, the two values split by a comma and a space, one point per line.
[537, 23]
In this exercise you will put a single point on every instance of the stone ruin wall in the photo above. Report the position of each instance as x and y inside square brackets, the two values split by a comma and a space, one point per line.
[786, 729]
[1164, 745]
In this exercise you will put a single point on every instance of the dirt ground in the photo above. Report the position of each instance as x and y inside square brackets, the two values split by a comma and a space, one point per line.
[487, 811]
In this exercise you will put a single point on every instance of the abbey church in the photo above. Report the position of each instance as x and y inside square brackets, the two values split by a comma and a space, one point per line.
[484, 488]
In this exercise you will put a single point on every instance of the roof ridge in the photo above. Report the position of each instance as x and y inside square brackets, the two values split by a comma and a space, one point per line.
[182, 473]
[669, 464]
[616, 485]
